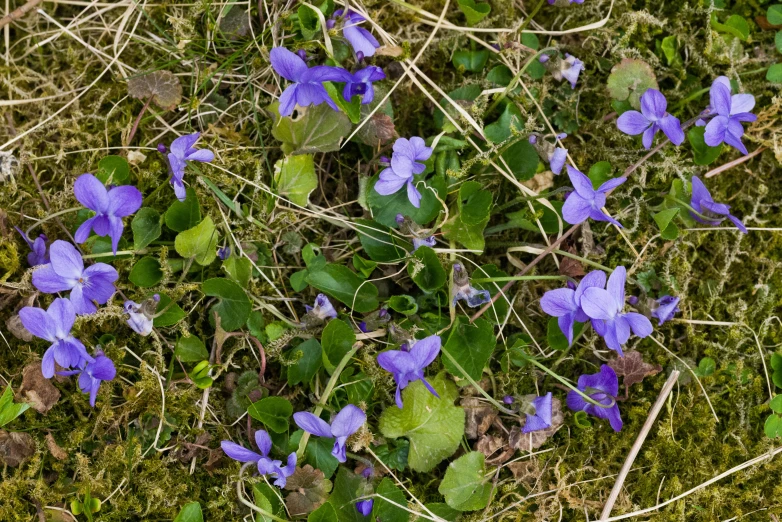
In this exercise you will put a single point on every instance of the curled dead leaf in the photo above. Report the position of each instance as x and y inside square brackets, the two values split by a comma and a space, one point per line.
[531, 441]
[15, 447]
[37, 390]
[56, 451]
[496, 449]
[633, 369]
[162, 86]
[15, 326]
[479, 416]
[309, 490]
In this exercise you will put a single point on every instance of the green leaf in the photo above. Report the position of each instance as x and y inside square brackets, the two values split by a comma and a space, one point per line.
[433, 426]
[444, 511]
[347, 488]
[316, 128]
[428, 273]
[778, 41]
[266, 498]
[664, 218]
[774, 73]
[145, 226]
[735, 25]
[629, 79]
[364, 266]
[341, 283]
[773, 426]
[581, 420]
[599, 173]
[403, 304]
[319, 456]
[706, 367]
[473, 61]
[510, 120]
[556, 339]
[113, 170]
[325, 513]
[308, 361]
[702, 153]
[309, 22]
[500, 75]
[273, 412]
[239, 269]
[776, 404]
[337, 340]
[466, 93]
[182, 215]
[474, 11]
[378, 243]
[299, 280]
[774, 14]
[465, 485]
[471, 345]
[295, 178]
[191, 349]
[351, 108]
[9, 410]
[670, 49]
[172, 315]
[384, 510]
[199, 242]
[470, 217]
[233, 306]
[146, 272]
[385, 208]
[522, 160]
[191, 512]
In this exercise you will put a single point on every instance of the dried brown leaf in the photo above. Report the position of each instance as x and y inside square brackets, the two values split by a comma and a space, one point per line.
[633, 369]
[54, 448]
[15, 326]
[377, 131]
[530, 441]
[496, 449]
[36, 390]
[309, 489]
[162, 86]
[571, 267]
[15, 447]
[480, 416]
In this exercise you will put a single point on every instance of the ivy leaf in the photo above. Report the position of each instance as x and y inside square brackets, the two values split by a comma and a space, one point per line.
[295, 178]
[199, 242]
[384, 510]
[162, 86]
[316, 128]
[310, 489]
[428, 273]
[465, 485]
[146, 227]
[633, 369]
[433, 426]
[471, 345]
[273, 412]
[629, 79]
[233, 307]
[341, 283]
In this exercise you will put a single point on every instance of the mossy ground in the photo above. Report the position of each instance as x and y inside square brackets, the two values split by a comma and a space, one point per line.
[722, 276]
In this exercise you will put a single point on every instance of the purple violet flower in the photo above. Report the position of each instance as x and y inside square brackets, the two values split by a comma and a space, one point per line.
[408, 365]
[54, 325]
[182, 150]
[66, 272]
[345, 423]
[540, 418]
[508, 400]
[704, 204]
[668, 307]
[430, 241]
[565, 303]
[38, 256]
[110, 207]
[141, 316]
[586, 202]
[602, 387]
[92, 373]
[360, 83]
[652, 118]
[555, 156]
[464, 291]
[266, 466]
[323, 308]
[728, 114]
[605, 307]
[568, 69]
[405, 163]
[307, 88]
[365, 507]
[224, 253]
[360, 39]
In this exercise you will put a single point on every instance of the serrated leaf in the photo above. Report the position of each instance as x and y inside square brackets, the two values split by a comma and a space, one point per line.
[465, 485]
[343, 498]
[633, 369]
[164, 88]
[238, 269]
[471, 345]
[273, 412]
[433, 426]
[629, 79]
[316, 128]
[309, 489]
[146, 227]
[325, 513]
[199, 242]
[295, 178]
[233, 306]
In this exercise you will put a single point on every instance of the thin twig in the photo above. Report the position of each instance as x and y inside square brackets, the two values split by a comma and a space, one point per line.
[731, 164]
[18, 13]
[639, 441]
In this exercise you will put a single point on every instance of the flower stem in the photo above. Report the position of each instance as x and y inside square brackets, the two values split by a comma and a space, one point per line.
[520, 278]
[51, 216]
[477, 387]
[531, 16]
[138, 120]
[564, 381]
[513, 81]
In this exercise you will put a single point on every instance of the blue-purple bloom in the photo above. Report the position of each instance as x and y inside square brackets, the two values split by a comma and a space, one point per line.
[224, 253]
[567, 69]
[667, 307]
[92, 373]
[110, 206]
[727, 113]
[508, 399]
[307, 88]
[430, 241]
[540, 419]
[182, 150]
[141, 316]
[602, 387]
[66, 272]
[365, 507]
[360, 39]
[652, 118]
[405, 163]
[605, 308]
[704, 204]
[54, 325]
[565, 303]
[345, 423]
[323, 308]
[586, 202]
[555, 156]
[464, 291]
[266, 465]
[38, 254]
[407, 365]
[360, 83]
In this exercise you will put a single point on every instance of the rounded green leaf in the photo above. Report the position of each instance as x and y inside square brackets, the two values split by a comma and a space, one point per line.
[233, 307]
[295, 178]
[146, 272]
[465, 485]
[190, 349]
[273, 412]
[308, 360]
[629, 79]
[403, 304]
[470, 345]
[337, 340]
[341, 283]
[774, 73]
[191, 512]
[774, 14]
[113, 170]
[199, 242]
[427, 271]
[146, 227]
[182, 215]
[172, 315]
